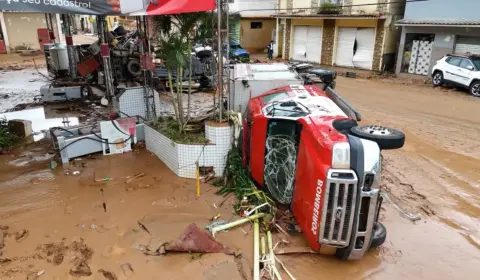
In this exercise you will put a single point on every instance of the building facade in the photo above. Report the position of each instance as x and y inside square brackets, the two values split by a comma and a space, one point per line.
[251, 23]
[434, 28]
[25, 30]
[348, 33]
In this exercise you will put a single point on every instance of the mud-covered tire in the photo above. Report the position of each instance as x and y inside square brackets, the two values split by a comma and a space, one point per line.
[475, 89]
[134, 68]
[386, 138]
[437, 79]
[379, 235]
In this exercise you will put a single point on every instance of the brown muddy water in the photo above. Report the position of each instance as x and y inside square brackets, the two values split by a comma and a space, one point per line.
[435, 176]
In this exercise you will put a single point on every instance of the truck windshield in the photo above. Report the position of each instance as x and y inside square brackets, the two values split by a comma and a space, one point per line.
[286, 109]
[281, 150]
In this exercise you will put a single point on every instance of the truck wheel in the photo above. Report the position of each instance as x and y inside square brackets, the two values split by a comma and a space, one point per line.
[386, 138]
[379, 235]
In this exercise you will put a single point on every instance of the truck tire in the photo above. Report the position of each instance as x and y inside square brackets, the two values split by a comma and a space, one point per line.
[379, 235]
[386, 138]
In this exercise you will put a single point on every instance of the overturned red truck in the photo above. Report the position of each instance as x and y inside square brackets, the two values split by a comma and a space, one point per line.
[303, 144]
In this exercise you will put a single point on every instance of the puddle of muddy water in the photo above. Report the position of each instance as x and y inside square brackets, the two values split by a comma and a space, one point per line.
[18, 87]
[40, 122]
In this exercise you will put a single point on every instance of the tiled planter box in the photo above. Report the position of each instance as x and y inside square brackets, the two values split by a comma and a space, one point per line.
[182, 158]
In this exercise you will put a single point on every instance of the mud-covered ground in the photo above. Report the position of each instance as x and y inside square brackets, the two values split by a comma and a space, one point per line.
[436, 176]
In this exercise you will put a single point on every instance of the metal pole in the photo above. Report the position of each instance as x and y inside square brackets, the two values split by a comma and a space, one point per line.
[220, 57]
[70, 47]
[228, 54]
[107, 68]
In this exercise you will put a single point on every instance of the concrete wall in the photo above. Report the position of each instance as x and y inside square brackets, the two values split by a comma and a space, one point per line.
[268, 7]
[368, 9]
[299, 4]
[256, 40]
[444, 40]
[22, 28]
[443, 9]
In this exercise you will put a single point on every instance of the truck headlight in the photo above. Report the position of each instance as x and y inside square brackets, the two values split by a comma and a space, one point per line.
[341, 156]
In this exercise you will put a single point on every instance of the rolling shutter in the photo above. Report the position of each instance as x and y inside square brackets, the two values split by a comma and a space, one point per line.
[345, 44]
[467, 45]
[307, 43]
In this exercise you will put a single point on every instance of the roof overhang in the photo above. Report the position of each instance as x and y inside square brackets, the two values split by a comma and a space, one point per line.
[436, 25]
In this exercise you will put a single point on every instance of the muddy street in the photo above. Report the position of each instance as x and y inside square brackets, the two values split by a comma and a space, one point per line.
[65, 226]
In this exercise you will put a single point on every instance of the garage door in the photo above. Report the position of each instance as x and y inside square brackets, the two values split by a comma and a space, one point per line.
[307, 43]
[355, 47]
[363, 57]
[467, 45]
[345, 45]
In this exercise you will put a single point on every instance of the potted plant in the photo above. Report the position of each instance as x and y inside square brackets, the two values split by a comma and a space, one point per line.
[329, 8]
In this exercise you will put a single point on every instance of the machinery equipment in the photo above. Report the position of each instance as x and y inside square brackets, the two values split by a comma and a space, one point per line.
[59, 94]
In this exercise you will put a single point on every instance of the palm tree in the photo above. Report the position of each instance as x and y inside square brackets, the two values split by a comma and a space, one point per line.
[175, 35]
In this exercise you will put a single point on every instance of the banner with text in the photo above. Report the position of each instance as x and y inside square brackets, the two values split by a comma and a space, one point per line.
[109, 7]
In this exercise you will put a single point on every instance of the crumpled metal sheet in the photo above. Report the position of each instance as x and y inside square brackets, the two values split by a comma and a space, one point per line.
[196, 240]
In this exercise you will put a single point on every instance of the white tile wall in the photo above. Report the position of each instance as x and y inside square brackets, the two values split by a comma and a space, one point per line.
[182, 158]
[164, 148]
[132, 102]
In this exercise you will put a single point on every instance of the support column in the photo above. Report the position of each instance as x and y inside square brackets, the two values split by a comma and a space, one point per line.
[4, 31]
[70, 47]
[277, 34]
[107, 67]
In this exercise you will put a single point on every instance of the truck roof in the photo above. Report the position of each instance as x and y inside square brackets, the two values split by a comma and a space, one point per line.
[298, 101]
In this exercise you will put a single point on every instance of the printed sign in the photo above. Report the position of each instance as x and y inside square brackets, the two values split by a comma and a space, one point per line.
[108, 7]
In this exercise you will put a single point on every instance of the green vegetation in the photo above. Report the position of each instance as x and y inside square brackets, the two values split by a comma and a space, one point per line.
[7, 139]
[189, 135]
[236, 180]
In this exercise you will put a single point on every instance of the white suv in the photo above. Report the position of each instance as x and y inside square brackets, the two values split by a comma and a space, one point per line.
[458, 70]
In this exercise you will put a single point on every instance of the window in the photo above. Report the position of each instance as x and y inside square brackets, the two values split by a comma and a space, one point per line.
[286, 109]
[274, 97]
[476, 61]
[256, 25]
[465, 63]
[455, 61]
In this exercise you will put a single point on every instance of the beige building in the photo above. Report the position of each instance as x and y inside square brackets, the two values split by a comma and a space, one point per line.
[348, 33]
[25, 30]
[251, 23]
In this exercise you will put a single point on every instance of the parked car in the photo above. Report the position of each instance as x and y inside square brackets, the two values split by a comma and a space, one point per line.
[458, 70]
[239, 53]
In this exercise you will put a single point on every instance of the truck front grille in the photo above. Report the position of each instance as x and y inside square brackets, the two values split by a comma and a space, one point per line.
[338, 207]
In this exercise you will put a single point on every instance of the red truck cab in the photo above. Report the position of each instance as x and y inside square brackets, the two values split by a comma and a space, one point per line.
[297, 144]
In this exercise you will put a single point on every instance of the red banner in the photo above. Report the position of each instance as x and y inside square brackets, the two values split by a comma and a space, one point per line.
[165, 7]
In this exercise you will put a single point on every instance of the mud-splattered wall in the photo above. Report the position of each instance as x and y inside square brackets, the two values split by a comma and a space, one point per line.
[22, 28]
